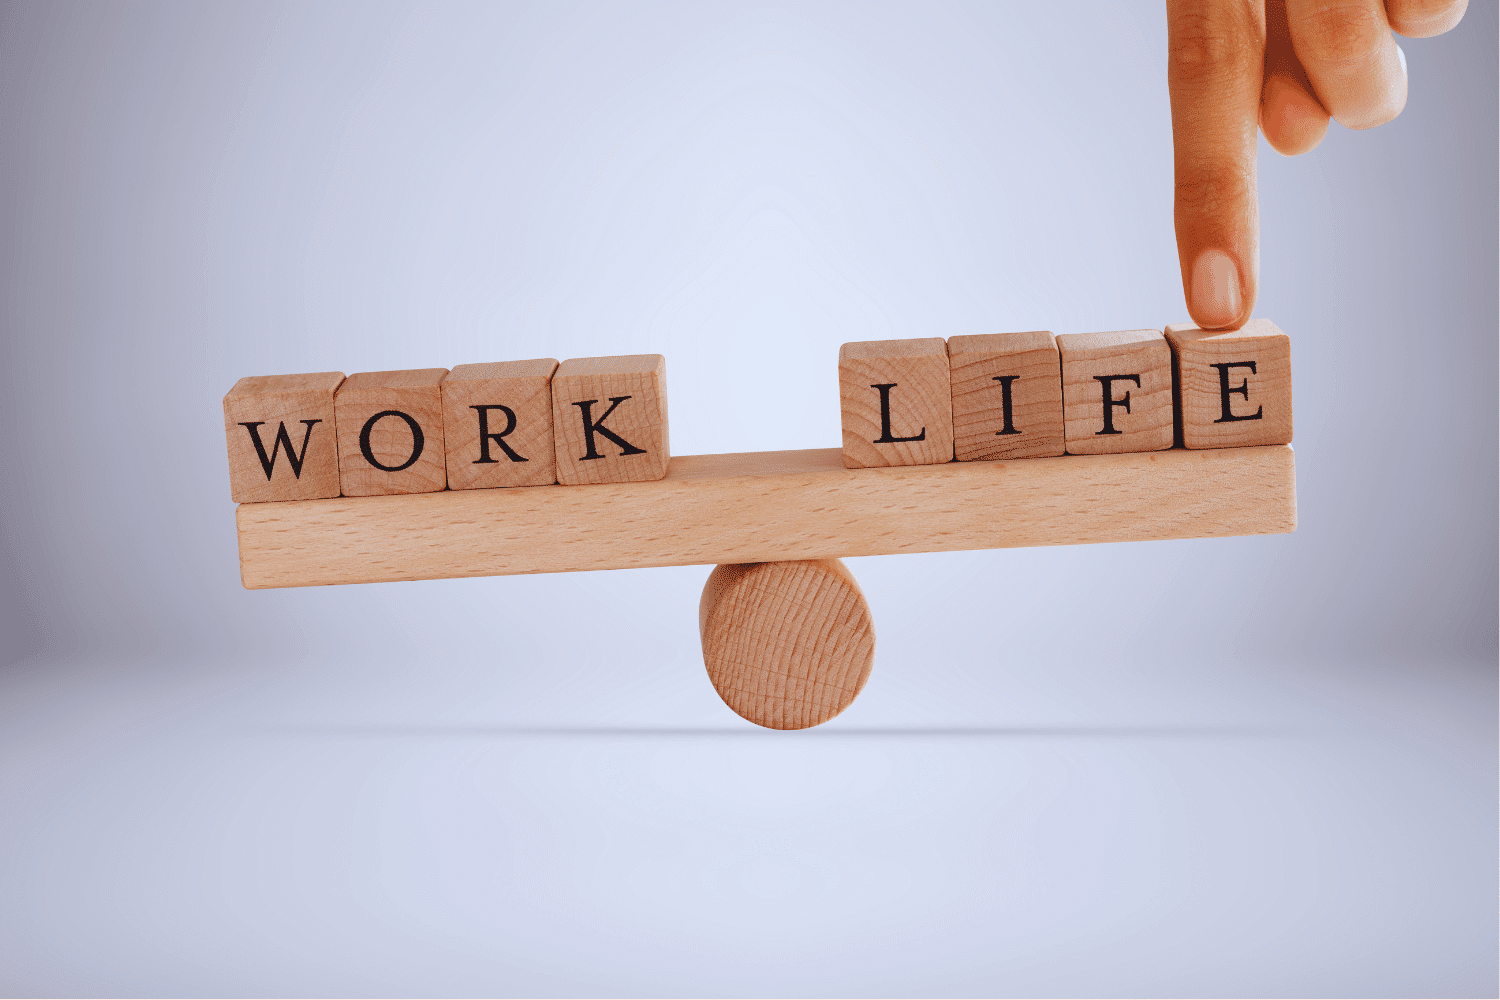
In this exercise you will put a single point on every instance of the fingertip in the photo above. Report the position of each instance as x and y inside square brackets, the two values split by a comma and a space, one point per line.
[1216, 293]
[1291, 119]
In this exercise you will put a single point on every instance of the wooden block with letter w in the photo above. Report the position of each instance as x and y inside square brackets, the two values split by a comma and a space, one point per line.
[282, 438]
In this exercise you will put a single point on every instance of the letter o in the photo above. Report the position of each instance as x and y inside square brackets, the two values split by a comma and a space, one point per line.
[416, 439]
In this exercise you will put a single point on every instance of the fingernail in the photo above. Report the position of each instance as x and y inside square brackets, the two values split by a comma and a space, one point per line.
[1216, 289]
[1402, 55]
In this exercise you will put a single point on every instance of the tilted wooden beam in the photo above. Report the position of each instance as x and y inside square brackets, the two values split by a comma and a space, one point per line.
[768, 506]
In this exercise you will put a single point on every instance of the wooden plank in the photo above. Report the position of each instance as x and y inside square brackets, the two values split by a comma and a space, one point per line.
[767, 506]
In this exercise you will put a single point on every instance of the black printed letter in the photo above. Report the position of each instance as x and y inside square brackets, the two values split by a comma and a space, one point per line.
[416, 441]
[1243, 390]
[282, 438]
[590, 426]
[1106, 383]
[485, 436]
[885, 417]
[1005, 381]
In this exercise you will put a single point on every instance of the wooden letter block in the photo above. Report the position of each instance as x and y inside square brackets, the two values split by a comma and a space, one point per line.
[609, 419]
[1007, 396]
[897, 407]
[391, 432]
[497, 424]
[1234, 387]
[1117, 392]
[282, 437]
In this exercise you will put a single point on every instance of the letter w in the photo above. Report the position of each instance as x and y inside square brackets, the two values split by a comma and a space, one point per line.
[282, 438]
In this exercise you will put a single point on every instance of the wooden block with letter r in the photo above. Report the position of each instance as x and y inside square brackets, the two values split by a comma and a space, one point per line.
[1117, 392]
[1234, 387]
[391, 432]
[497, 424]
[609, 419]
[1007, 396]
[281, 436]
[895, 403]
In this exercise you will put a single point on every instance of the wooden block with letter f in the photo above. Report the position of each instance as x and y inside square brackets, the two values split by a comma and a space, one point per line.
[609, 419]
[281, 436]
[895, 403]
[1234, 387]
[391, 432]
[1117, 392]
[1007, 396]
[497, 424]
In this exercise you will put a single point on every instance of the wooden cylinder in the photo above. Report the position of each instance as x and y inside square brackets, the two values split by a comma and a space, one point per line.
[788, 645]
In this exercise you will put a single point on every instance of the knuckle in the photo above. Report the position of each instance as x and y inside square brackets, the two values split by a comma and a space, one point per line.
[1216, 190]
[1342, 36]
[1201, 46]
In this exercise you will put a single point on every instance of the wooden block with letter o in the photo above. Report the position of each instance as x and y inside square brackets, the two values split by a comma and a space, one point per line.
[1117, 392]
[391, 432]
[895, 402]
[281, 436]
[1234, 387]
[1007, 396]
[609, 419]
[497, 424]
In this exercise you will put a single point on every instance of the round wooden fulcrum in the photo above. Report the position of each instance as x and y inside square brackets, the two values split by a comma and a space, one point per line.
[788, 645]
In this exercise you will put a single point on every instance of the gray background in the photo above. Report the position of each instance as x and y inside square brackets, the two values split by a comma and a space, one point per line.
[1255, 766]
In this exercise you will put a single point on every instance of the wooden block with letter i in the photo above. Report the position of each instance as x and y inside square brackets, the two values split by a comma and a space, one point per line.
[1117, 392]
[609, 419]
[1234, 387]
[281, 436]
[895, 403]
[391, 432]
[497, 424]
[1007, 396]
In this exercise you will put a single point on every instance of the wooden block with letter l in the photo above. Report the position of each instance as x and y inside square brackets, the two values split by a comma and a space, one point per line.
[281, 435]
[497, 424]
[391, 432]
[609, 419]
[895, 403]
[1234, 387]
[1117, 392]
[1007, 396]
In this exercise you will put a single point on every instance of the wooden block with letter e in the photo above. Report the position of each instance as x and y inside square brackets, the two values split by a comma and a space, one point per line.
[1234, 387]
[1117, 392]
[895, 402]
[1007, 396]
[609, 419]
[497, 424]
[281, 436]
[391, 432]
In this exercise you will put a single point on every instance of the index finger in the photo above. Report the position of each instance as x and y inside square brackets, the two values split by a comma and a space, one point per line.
[1216, 53]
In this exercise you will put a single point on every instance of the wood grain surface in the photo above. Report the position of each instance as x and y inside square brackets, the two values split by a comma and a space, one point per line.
[1028, 362]
[769, 506]
[624, 397]
[411, 398]
[1201, 388]
[517, 447]
[915, 424]
[787, 645]
[293, 419]
[1090, 424]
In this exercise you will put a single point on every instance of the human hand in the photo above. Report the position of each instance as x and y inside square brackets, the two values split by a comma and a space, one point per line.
[1287, 65]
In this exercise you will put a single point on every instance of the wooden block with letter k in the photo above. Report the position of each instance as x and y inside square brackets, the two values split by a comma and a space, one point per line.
[609, 419]
[1117, 392]
[895, 403]
[1234, 387]
[281, 436]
